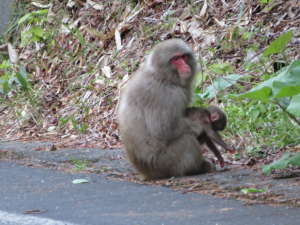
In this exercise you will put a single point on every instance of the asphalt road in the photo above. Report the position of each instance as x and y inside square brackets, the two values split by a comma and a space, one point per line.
[5, 14]
[103, 201]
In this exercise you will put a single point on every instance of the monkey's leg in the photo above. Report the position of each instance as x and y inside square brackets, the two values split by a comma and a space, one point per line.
[183, 156]
[207, 166]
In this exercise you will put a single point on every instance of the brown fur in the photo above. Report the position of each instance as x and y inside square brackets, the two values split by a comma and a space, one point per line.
[212, 119]
[159, 141]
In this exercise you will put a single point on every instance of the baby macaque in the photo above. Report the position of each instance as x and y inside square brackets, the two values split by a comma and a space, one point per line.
[212, 120]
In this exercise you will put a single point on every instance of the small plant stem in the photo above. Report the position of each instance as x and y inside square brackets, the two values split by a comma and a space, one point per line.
[289, 114]
[14, 112]
[35, 113]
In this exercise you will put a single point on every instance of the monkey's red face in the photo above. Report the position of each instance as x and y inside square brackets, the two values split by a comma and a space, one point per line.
[180, 61]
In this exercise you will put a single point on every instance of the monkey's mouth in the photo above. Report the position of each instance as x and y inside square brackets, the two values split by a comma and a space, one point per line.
[185, 75]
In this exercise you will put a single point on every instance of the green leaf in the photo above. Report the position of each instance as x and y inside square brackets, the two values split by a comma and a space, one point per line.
[38, 31]
[278, 45]
[240, 14]
[209, 93]
[259, 95]
[5, 64]
[21, 20]
[83, 127]
[27, 34]
[248, 190]
[21, 80]
[74, 123]
[5, 87]
[235, 33]
[64, 121]
[23, 71]
[36, 38]
[86, 109]
[200, 77]
[248, 35]
[285, 84]
[79, 181]
[222, 68]
[294, 105]
[295, 160]
[220, 83]
[43, 11]
[280, 164]
[110, 101]
[265, 1]
[285, 91]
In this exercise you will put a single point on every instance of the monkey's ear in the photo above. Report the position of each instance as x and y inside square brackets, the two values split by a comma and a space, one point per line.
[214, 116]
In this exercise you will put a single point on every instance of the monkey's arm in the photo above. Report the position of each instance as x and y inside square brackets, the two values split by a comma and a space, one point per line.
[215, 150]
[171, 125]
[215, 136]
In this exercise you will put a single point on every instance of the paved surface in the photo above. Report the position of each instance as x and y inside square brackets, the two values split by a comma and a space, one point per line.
[23, 187]
[5, 13]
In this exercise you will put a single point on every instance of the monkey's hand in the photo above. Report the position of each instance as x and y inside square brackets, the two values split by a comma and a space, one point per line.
[221, 161]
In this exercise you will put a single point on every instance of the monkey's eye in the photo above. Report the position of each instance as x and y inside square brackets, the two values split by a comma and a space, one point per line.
[185, 58]
[175, 58]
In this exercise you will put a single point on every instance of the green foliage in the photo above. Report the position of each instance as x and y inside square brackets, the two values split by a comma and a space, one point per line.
[22, 81]
[282, 163]
[105, 169]
[265, 1]
[110, 101]
[264, 123]
[64, 121]
[74, 123]
[5, 88]
[219, 84]
[278, 45]
[249, 190]
[35, 33]
[264, 112]
[293, 107]
[240, 14]
[83, 127]
[285, 84]
[80, 166]
[5, 64]
[18, 84]
[33, 16]
[221, 68]
[86, 110]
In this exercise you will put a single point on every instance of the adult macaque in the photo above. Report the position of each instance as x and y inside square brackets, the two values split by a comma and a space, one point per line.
[159, 141]
[212, 119]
